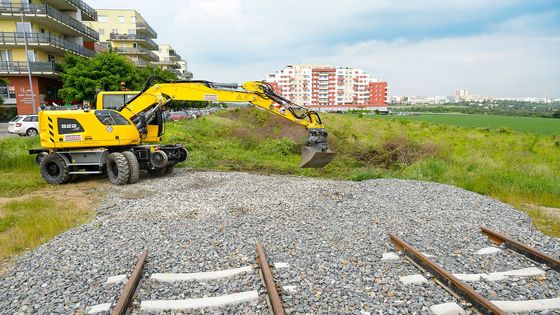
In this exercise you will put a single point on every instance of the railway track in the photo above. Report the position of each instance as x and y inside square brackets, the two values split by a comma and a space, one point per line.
[124, 304]
[458, 284]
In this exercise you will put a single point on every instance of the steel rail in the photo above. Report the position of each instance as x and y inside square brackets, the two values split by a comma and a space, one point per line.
[130, 287]
[446, 278]
[522, 249]
[274, 298]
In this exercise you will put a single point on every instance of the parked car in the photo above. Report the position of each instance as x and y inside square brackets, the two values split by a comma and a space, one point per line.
[174, 116]
[24, 125]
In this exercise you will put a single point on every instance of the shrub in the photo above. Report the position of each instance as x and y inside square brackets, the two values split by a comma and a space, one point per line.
[396, 152]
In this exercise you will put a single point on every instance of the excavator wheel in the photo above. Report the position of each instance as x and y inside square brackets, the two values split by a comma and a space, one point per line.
[118, 168]
[159, 159]
[134, 167]
[54, 169]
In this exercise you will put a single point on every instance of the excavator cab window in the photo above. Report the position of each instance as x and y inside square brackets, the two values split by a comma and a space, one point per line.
[110, 118]
[116, 101]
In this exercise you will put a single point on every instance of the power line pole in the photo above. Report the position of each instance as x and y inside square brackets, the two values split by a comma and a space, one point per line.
[28, 63]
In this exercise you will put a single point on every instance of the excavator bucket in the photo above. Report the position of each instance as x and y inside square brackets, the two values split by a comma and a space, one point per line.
[316, 153]
[312, 157]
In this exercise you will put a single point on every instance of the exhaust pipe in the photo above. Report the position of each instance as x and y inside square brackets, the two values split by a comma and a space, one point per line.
[316, 153]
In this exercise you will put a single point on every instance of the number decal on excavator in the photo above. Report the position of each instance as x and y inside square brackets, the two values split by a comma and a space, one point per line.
[210, 97]
[72, 138]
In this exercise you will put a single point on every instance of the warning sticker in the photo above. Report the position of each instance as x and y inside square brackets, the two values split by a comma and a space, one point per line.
[210, 97]
[72, 138]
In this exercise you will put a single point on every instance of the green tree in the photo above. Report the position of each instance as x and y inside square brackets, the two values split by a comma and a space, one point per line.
[82, 78]
[556, 114]
[150, 70]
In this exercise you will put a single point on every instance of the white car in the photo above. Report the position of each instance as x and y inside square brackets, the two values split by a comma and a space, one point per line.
[24, 125]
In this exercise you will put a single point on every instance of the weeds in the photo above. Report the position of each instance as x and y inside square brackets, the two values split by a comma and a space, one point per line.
[28, 223]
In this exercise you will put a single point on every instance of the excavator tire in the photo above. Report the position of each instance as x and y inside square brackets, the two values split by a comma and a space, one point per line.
[118, 169]
[54, 169]
[134, 167]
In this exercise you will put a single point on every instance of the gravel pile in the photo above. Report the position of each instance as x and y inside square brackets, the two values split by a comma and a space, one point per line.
[332, 233]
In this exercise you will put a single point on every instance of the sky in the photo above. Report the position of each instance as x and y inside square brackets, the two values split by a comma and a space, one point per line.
[499, 48]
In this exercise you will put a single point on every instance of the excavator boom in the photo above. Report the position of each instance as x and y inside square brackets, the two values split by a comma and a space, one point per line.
[145, 105]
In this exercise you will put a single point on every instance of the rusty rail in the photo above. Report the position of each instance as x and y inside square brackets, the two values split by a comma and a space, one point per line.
[130, 287]
[446, 278]
[274, 298]
[523, 249]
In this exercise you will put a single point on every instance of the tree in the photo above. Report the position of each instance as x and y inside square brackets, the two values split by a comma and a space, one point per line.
[556, 114]
[150, 70]
[82, 78]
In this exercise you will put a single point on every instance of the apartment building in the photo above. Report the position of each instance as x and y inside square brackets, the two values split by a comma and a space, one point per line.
[330, 88]
[170, 60]
[127, 33]
[50, 28]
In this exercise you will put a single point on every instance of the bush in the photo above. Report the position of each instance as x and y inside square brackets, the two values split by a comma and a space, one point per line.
[396, 152]
[281, 146]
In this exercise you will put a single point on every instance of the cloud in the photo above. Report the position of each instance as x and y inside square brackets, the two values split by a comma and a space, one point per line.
[501, 47]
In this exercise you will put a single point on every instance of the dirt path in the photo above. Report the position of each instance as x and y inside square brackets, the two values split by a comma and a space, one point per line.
[85, 193]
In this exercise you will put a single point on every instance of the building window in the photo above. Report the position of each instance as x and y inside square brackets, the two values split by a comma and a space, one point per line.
[115, 31]
[121, 19]
[101, 31]
[23, 27]
[102, 19]
[123, 45]
[32, 55]
[132, 31]
[5, 55]
[133, 19]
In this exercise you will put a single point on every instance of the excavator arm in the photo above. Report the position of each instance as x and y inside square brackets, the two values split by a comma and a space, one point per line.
[148, 103]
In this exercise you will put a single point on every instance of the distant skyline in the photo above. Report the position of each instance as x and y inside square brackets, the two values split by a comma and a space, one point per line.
[499, 48]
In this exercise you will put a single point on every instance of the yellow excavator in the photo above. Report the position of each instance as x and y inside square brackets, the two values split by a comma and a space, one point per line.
[124, 140]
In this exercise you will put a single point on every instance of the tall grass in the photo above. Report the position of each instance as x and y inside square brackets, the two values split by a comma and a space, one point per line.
[25, 224]
[517, 168]
[18, 171]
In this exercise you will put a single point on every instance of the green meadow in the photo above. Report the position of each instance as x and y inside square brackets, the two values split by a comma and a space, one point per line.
[545, 126]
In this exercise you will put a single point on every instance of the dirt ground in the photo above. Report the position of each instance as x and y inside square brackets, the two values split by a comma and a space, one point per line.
[85, 193]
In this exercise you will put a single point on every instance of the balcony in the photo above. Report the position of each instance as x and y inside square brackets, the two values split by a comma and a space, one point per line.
[174, 56]
[39, 12]
[137, 51]
[141, 63]
[88, 13]
[149, 43]
[168, 62]
[43, 40]
[20, 67]
[145, 28]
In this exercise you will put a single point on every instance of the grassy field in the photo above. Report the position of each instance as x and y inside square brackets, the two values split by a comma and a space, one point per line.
[545, 126]
[521, 169]
[31, 212]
